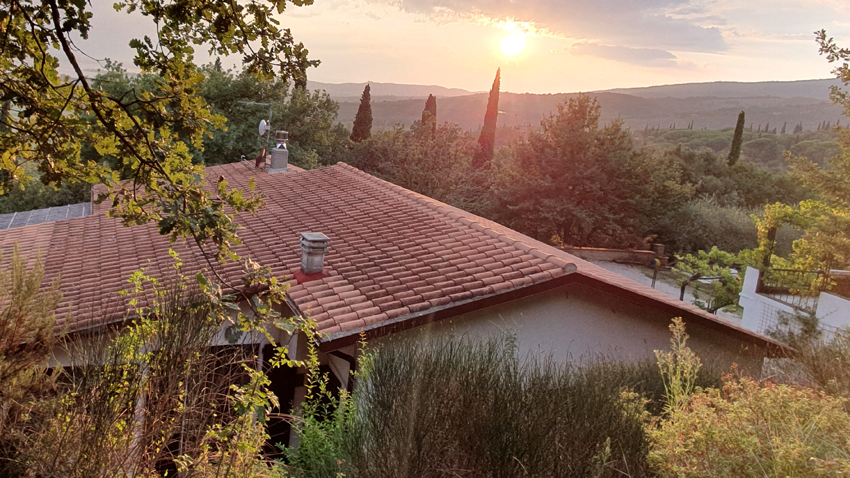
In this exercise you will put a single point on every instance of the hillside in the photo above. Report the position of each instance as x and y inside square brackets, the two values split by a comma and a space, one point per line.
[636, 112]
[817, 89]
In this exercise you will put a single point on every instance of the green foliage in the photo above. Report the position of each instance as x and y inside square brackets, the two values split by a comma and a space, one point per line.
[315, 138]
[323, 424]
[362, 128]
[766, 150]
[496, 415]
[749, 429]
[35, 195]
[487, 139]
[737, 141]
[54, 115]
[717, 266]
[438, 165]
[823, 221]
[836, 54]
[565, 179]
[701, 224]
[679, 368]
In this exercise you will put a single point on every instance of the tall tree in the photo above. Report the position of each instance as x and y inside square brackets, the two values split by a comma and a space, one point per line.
[571, 180]
[429, 114]
[737, 141]
[783, 127]
[487, 140]
[362, 128]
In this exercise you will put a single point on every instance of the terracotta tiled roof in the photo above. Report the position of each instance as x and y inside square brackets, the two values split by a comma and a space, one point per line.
[394, 254]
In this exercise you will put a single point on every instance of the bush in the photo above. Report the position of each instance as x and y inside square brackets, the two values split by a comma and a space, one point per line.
[821, 358]
[749, 429]
[703, 223]
[461, 408]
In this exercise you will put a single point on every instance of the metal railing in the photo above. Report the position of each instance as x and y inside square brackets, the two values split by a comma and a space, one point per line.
[798, 288]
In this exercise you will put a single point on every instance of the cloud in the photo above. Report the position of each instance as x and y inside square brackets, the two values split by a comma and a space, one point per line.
[675, 25]
[635, 56]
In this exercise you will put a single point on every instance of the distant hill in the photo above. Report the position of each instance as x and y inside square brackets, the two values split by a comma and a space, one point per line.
[817, 89]
[384, 91]
[707, 105]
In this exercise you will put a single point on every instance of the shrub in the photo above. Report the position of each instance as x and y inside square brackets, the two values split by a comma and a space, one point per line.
[462, 408]
[749, 429]
[321, 424]
[821, 358]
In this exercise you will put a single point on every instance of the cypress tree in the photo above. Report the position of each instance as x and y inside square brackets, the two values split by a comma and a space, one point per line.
[487, 140]
[783, 127]
[362, 128]
[429, 114]
[737, 141]
[799, 128]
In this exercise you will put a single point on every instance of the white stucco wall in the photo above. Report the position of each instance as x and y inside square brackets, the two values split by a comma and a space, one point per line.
[833, 311]
[575, 322]
[762, 312]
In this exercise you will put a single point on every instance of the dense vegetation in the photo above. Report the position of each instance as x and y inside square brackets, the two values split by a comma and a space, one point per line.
[764, 148]
[499, 414]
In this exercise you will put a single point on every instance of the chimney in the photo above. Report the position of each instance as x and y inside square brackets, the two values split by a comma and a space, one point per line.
[280, 153]
[314, 245]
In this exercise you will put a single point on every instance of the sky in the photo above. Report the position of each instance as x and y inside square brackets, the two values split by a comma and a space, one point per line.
[570, 45]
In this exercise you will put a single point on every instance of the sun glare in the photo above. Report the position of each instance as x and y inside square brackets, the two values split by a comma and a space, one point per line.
[513, 44]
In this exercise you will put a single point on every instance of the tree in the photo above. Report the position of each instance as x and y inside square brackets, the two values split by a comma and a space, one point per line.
[429, 114]
[737, 141]
[437, 164]
[362, 128]
[487, 140]
[825, 219]
[315, 136]
[798, 129]
[564, 184]
[56, 113]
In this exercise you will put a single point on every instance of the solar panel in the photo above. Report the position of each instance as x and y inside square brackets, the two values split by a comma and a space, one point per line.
[50, 214]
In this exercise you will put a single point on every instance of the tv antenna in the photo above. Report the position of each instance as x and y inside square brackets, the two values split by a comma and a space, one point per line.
[265, 126]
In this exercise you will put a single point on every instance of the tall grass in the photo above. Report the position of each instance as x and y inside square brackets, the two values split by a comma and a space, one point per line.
[463, 408]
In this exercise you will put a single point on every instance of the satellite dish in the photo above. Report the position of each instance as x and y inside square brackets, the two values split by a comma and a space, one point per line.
[264, 127]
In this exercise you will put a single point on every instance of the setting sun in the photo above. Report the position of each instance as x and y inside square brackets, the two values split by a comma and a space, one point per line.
[513, 44]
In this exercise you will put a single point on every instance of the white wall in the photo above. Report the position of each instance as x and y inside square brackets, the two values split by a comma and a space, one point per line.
[575, 322]
[833, 311]
[762, 312]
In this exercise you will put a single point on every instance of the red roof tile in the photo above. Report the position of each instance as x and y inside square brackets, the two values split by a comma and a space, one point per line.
[393, 253]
